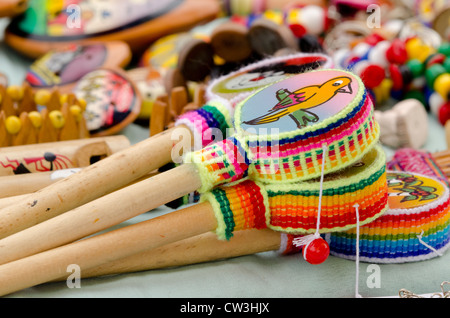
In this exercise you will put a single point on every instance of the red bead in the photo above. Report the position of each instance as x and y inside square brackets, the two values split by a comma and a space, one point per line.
[316, 252]
[396, 53]
[444, 113]
[298, 30]
[372, 75]
[373, 39]
[396, 77]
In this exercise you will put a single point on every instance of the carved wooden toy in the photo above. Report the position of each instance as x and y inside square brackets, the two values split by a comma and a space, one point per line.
[43, 28]
[405, 125]
[28, 117]
[58, 155]
[62, 68]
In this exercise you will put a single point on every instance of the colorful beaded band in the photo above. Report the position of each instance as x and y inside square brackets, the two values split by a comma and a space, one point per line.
[416, 227]
[300, 157]
[294, 152]
[202, 122]
[240, 206]
[292, 207]
[287, 245]
[239, 84]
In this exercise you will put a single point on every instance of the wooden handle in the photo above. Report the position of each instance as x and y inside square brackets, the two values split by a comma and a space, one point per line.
[105, 176]
[107, 247]
[198, 249]
[100, 214]
[5, 202]
[58, 155]
[20, 184]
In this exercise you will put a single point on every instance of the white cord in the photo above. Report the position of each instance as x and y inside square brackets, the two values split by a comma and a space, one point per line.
[425, 244]
[357, 295]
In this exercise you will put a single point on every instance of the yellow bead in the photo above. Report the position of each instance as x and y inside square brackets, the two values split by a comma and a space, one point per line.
[13, 124]
[42, 97]
[415, 47]
[386, 86]
[274, 16]
[63, 99]
[35, 118]
[15, 92]
[425, 52]
[77, 112]
[57, 118]
[442, 85]
[82, 103]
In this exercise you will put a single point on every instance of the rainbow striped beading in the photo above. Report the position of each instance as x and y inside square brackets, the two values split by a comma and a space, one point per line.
[292, 207]
[394, 237]
[202, 122]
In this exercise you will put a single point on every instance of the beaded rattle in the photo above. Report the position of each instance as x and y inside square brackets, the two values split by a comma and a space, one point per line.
[136, 162]
[238, 208]
[222, 167]
[28, 117]
[415, 228]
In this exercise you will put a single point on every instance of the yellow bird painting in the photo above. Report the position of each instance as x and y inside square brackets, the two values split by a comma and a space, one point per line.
[295, 104]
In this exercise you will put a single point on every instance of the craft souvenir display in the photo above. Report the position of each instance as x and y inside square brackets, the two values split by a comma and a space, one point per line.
[47, 25]
[63, 68]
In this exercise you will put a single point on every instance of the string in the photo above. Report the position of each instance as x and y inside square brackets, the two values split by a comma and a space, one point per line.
[425, 244]
[357, 295]
[305, 240]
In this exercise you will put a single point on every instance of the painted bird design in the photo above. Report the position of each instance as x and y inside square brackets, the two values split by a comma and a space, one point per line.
[295, 104]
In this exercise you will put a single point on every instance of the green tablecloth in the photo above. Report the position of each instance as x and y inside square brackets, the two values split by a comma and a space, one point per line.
[266, 275]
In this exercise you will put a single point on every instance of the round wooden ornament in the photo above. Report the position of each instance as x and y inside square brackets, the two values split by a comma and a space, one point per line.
[239, 84]
[62, 68]
[47, 25]
[112, 100]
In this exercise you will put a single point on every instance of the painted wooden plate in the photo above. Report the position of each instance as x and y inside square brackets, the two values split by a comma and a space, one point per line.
[112, 101]
[48, 25]
[62, 68]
